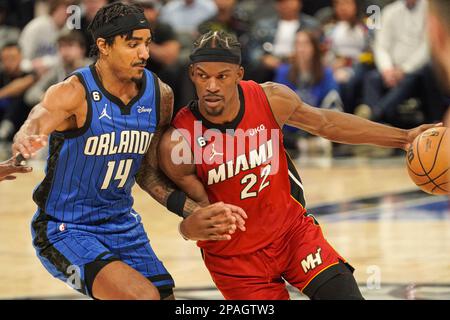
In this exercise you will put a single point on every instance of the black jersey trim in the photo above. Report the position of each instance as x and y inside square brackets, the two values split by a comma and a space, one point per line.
[40, 223]
[40, 195]
[124, 109]
[48, 251]
[296, 190]
[157, 98]
[193, 106]
[69, 134]
[160, 277]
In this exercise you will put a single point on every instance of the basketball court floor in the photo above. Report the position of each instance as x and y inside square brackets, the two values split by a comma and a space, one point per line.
[396, 237]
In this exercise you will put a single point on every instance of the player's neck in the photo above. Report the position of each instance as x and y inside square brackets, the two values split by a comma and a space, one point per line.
[230, 112]
[111, 81]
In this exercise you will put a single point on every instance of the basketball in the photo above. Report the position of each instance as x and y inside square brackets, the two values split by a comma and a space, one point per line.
[428, 161]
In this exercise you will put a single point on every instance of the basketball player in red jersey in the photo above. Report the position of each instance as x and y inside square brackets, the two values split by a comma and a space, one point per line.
[214, 161]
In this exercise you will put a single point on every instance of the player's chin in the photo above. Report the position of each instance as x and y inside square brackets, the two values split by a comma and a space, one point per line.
[138, 75]
[214, 110]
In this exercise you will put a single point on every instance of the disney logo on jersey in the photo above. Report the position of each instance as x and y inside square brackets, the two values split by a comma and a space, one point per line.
[142, 109]
[256, 130]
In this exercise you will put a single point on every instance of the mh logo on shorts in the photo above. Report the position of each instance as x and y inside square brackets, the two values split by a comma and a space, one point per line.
[312, 261]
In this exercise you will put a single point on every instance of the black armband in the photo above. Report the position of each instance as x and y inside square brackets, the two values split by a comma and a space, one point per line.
[176, 201]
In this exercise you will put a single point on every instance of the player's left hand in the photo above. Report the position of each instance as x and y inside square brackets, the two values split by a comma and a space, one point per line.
[8, 167]
[413, 133]
[217, 221]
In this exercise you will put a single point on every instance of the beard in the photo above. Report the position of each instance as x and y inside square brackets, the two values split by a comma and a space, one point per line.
[214, 112]
[138, 80]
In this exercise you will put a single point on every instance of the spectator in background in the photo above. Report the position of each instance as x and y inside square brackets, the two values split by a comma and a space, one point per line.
[346, 38]
[186, 15]
[71, 52]
[313, 82]
[90, 8]
[273, 38]
[348, 50]
[257, 9]
[231, 20]
[7, 33]
[38, 38]
[13, 83]
[400, 49]
[311, 7]
[21, 12]
[164, 48]
[307, 75]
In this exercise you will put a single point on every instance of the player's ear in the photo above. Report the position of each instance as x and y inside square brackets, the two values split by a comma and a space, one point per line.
[191, 72]
[102, 46]
[240, 74]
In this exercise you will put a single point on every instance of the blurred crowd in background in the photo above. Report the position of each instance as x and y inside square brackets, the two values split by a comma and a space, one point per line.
[366, 57]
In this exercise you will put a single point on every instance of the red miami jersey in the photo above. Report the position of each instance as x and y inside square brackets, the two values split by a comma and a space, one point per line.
[244, 163]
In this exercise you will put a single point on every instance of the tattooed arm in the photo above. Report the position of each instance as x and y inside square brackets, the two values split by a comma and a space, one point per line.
[149, 177]
[213, 222]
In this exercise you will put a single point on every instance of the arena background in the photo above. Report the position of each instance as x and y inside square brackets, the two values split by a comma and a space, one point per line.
[396, 236]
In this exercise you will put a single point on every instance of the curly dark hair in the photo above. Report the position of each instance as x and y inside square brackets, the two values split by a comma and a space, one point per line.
[105, 15]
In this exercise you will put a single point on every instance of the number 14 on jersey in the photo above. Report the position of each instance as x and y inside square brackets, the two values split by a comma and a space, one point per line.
[122, 173]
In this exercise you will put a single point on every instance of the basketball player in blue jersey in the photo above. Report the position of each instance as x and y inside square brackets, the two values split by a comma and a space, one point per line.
[104, 124]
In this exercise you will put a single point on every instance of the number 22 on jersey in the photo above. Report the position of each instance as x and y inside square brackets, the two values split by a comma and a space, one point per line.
[251, 179]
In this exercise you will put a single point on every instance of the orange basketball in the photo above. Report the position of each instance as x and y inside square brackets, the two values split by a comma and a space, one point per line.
[428, 161]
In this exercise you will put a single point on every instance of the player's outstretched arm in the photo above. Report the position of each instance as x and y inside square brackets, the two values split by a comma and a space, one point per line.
[213, 222]
[57, 111]
[9, 167]
[333, 125]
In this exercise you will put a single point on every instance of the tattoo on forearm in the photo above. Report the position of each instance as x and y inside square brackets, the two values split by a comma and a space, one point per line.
[150, 178]
[189, 207]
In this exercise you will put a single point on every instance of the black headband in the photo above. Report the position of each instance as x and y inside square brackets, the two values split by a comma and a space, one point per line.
[232, 55]
[122, 25]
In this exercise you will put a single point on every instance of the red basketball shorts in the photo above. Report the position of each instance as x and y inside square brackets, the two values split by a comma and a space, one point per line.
[301, 256]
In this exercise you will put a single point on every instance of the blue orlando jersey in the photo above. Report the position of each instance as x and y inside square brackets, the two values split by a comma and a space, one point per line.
[91, 170]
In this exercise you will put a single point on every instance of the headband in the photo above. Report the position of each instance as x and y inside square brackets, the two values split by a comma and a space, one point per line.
[232, 55]
[122, 25]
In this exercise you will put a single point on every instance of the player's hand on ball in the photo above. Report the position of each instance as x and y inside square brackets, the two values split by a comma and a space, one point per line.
[413, 133]
[28, 145]
[214, 222]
